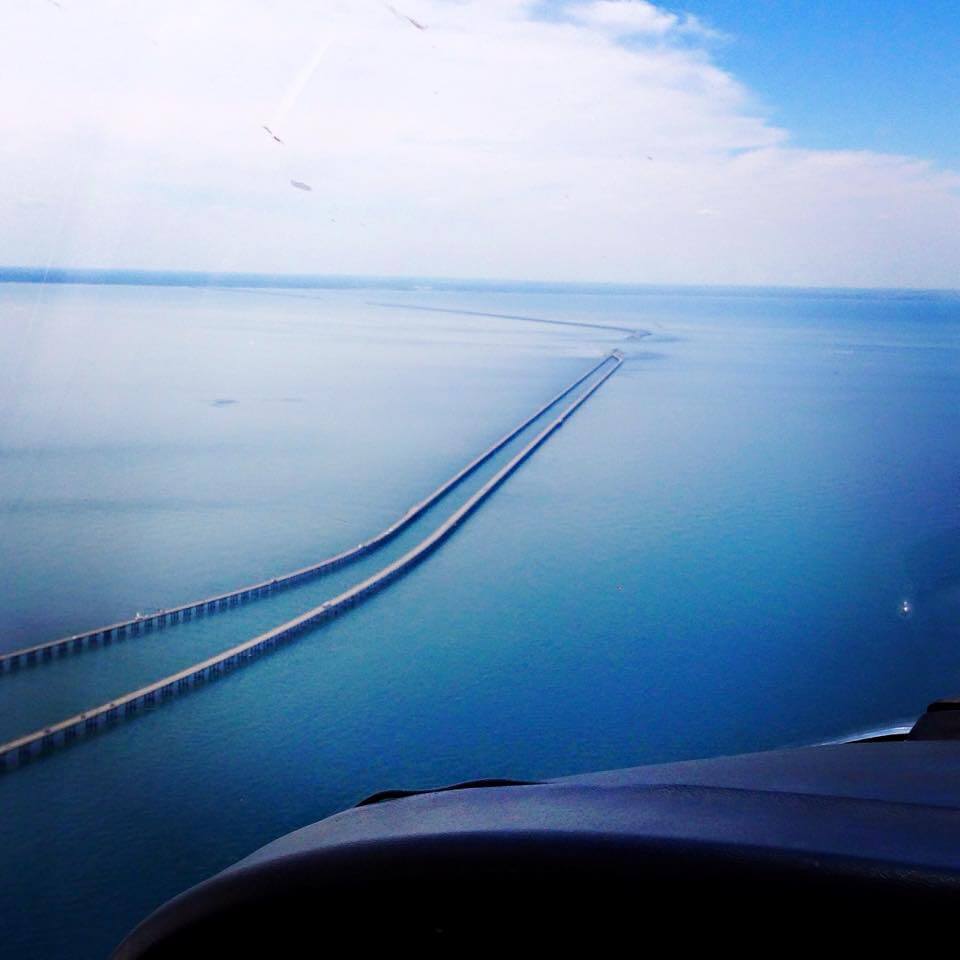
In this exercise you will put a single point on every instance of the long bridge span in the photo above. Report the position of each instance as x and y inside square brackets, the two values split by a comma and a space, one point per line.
[634, 333]
[67, 731]
[42, 652]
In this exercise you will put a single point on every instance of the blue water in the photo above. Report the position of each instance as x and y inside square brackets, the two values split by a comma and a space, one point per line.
[708, 558]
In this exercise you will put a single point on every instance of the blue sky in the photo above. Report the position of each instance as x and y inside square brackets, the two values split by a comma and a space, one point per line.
[709, 141]
[879, 75]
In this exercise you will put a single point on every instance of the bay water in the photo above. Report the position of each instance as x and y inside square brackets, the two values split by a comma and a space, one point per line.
[749, 537]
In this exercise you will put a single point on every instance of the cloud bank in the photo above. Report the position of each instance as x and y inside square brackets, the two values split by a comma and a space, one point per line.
[577, 141]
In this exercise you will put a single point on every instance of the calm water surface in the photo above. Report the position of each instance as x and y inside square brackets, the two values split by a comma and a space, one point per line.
[710, 557]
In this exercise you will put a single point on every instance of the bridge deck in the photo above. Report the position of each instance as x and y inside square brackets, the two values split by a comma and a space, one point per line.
[67, 730]
[41, 652]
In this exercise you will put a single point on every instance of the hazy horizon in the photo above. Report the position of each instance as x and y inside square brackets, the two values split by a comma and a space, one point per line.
[170, 277]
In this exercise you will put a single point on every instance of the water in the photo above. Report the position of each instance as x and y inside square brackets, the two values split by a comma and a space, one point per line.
[42, 696]
[710, 557]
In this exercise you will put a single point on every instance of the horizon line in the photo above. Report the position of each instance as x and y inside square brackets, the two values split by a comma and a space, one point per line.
[133, 276]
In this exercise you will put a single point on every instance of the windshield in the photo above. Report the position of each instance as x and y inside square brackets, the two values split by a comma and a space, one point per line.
[396, 394]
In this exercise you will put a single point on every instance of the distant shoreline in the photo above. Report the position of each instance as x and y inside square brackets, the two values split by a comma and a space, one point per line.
[188, 278]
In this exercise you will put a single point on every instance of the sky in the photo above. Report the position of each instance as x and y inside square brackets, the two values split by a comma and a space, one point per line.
[881, 75]
[796, 142]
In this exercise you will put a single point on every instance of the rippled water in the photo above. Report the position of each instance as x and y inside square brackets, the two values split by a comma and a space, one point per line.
[710, 557]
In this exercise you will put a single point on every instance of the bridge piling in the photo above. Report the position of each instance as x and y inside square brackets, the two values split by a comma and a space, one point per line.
[143, 624]
[213, 667]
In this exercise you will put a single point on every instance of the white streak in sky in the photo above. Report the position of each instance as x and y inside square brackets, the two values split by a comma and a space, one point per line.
[299, 83]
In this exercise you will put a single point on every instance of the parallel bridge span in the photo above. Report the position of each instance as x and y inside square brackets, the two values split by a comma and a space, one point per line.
[42, 652]
[65, 732]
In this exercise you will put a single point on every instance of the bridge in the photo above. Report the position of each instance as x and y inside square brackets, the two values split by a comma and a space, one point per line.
[41, 652]
[67, 731]
[634, 332]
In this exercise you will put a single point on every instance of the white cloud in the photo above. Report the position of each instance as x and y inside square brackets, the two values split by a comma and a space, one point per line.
[491, 143]
[632, 18]
[626, 16]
